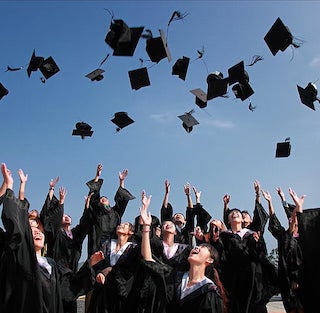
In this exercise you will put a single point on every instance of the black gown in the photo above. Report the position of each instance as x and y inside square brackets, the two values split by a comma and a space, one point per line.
[103, 220]
[112, 296]
[309, 238]
[242, 273]
[161, 293]
[289, 263]
[60, 247]
[25, 285]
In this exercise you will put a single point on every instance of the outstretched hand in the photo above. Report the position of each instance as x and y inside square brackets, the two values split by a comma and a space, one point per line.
[23, 177]
[145, 215]
[123, 174]
[297, 200]
[53, 182]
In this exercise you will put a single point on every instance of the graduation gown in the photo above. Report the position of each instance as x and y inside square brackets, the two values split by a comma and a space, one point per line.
[25, 286]
[163, 284]
[309, 238]
[103, 220]
[242, 273]
[289, 263]
[112, 296]
[60, 246]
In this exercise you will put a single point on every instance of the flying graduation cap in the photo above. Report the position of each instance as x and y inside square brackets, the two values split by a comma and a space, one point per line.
[283, 149]
[3, 91]
[238, 74]
[47, 67]
[96, 75]
[201, 97]
[308, 95]
[139, 78]
[188, 121]
[180, 68]
[157, 48]
[122, 38]
[82, 129]
[217, 85]
[279, 38]
[122, 119]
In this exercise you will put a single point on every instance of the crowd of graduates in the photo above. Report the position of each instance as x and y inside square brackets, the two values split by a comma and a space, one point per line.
[174, 262]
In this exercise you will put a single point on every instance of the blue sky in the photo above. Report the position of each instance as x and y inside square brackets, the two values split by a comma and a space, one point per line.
[225, 153]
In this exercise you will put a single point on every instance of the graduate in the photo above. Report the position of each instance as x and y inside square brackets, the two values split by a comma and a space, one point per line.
[29, 281]
[290, 258]
[190, 291]
[115, 274]
[104, 218]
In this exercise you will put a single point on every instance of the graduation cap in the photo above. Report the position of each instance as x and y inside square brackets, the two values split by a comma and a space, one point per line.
[3, 91]
[237, 74]
[47, 67]
[82, 129]
[157, 48]
[217, 85]
[34, 63]
[279, 37]
[122, 119]
[283, 149]
[188, 121]
[123, 39]
[139, 78]
[180, 68]
[308, 95]
[201, 97]
[242, 91]
[96, 75]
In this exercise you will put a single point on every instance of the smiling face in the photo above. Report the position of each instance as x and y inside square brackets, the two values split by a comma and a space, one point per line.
[200, 255]
[104, 201]
[235, 216]
[168, 227]
[125, 229]
[179, 219]
[247, 220]
[66, 219]
[38, 238]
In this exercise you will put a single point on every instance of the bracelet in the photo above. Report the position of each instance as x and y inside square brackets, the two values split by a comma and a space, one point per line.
[51, 188]
[146, 224]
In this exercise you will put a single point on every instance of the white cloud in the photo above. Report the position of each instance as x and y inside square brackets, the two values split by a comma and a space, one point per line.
[220, 123]
[315, 61]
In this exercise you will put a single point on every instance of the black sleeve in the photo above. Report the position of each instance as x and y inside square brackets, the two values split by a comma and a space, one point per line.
[166, 213]
[121, 199]
[275, 227]
[260, 218]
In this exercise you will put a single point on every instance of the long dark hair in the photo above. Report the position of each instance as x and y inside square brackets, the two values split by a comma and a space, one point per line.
[213, 274]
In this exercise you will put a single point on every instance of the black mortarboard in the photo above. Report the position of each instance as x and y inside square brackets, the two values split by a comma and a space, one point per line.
[242, 91]
[139, 78]
[308, 95]
[121, 119]
[96, 75]
[181, 67]
[3, 91]
[237, 74]
[201, 98]
[217, 85]
[49, 67]
[283, 149]
[82, 129]
[122, 39]
[157, 48]
[34, 63]
[278, 37]
[188, 121]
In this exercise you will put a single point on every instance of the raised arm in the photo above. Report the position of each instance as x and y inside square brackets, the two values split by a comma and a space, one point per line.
[166, 211]
[226, 199]
[122, 177]
[268, 198]
[23, 181]
[257, 189]
[146, 221]
[298, 201]
[187, 191]
[98, 172]
[52, 184]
